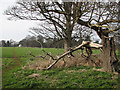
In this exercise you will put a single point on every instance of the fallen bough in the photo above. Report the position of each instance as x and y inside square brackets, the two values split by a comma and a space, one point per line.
[85, 44]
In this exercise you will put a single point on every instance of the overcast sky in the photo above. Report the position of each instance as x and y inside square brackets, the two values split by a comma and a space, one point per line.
[11, 29]
[16, 30]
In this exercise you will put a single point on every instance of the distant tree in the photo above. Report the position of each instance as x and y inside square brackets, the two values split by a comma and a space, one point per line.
[31, 41]
[14, 43]
[0, 43]
[8, 44]
[23, 42]
[3, 43]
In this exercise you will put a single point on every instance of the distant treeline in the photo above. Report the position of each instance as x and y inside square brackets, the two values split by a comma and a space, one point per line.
[8, 43]
[31, 41]
[40, 41]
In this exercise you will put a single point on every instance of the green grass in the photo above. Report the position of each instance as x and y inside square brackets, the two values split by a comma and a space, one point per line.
[8, 62]
[7, 52]
[22, 51]
[12, 55]
[73, 77]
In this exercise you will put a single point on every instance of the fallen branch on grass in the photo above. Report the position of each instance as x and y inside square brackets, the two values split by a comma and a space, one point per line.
[86, 44]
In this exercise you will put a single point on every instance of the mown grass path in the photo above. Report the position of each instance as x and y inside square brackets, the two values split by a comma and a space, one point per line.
[16, 60]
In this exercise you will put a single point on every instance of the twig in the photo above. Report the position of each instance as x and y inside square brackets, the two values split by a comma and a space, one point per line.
[49, 55]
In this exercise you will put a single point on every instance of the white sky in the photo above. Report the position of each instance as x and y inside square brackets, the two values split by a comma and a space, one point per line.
[11, 29]
[16, 30]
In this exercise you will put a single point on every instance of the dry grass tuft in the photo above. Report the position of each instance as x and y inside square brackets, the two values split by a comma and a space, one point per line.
[34, 75]
[67, 62]
[73, 71]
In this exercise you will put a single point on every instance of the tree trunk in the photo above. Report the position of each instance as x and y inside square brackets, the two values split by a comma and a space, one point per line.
[118, 47]
[109, 56]
[67, 44]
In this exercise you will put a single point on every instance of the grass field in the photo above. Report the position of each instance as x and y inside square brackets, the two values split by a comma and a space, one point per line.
[13, 58]
[22, 51]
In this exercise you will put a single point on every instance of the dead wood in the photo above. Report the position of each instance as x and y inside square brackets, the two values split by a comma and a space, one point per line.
[86, 44]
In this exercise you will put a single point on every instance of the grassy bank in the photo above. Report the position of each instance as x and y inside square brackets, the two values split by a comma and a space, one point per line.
[74, 77]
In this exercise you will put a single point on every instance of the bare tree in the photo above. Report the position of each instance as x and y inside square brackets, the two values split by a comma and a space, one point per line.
[105, 24]
[99, 16]
[63, 15]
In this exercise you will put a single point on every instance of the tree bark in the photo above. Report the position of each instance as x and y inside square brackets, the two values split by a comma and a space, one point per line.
[109, 56]
[67, 45]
